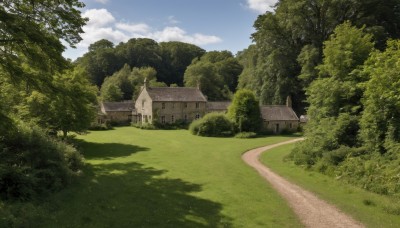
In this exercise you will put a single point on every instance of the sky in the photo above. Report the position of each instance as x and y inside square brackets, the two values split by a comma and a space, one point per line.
[209, 24]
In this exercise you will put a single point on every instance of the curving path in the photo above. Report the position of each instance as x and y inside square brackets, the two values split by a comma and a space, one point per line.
[312, 211]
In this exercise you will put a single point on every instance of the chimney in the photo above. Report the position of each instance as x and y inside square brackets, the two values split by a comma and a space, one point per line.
[146, 83]
[198, 85]
[289, 101]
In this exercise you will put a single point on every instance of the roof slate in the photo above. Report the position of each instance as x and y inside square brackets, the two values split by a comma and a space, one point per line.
[175, 94]
[125, 106]
[278, 112]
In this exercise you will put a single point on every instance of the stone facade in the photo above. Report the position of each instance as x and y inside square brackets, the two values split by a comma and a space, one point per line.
[116, 112]
[168, 105]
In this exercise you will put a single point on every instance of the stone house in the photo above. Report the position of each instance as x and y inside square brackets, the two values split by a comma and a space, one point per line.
[278, 118]
[116, 112]
[169, 104]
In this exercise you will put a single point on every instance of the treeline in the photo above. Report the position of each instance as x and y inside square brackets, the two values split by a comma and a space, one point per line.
[120, 70]
[41, 95]
[289, 43]
[339, 62]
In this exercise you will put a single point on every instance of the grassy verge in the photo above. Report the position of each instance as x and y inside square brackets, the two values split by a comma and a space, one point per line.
[371, 209]
[154, 178]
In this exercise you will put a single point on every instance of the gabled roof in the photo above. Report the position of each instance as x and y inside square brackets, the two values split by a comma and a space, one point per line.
[125, 106]
[277, 112]
[176, 94]
[218, 105]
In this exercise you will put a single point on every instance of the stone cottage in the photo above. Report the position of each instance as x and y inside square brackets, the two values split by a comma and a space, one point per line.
[116, 112]
[169, 104]
[278, 118]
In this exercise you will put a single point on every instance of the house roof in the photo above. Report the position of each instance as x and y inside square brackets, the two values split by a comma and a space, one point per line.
[218, 105]
[125, 106]
[277, 112]
[184, 94]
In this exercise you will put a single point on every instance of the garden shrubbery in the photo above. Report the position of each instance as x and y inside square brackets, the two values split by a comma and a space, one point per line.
[33, 163]
[212, 125]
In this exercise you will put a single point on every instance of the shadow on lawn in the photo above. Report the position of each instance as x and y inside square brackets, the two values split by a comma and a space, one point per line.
[108, 150]
[132, 195]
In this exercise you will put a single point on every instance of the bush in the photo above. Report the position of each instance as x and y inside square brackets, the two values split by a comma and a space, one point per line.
[246, 135]
[212, 125]
[32, 163]
[101, 127]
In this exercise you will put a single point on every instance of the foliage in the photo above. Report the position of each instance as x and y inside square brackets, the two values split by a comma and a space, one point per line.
[32, 31]
[216, 73]
[381, 118]
[353, 132]
[37, 165]
[246, 135]
[245, 111]
[289, 43]
[70, 108]
[212, 125]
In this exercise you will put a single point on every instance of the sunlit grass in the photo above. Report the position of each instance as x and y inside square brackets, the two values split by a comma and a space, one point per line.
[151, 178]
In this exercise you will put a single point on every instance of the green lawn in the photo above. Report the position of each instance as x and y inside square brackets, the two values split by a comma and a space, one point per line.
[152, 178]
[369, 208]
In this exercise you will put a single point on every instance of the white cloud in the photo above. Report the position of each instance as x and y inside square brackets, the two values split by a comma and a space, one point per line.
[103, 25]
[101, 1]
[178, 34]
[133, 28]
[261, 6]
[98, 17]
[172, 20]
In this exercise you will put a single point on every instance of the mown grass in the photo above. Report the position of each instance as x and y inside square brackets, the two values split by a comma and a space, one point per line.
[152, 178]
[371, 209]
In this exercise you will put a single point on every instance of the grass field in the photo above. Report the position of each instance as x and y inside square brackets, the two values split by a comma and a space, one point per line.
[369, 208]
[151, 178]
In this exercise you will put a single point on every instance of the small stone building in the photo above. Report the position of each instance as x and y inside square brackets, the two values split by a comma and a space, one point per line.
[169, 104]
[278, 118]
[116, 112]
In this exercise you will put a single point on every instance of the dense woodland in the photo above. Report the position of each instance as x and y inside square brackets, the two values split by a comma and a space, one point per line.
[338, 59]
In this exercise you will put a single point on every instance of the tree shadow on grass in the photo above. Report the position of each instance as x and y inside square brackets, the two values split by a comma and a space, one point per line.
[108, 150]
[130, 195]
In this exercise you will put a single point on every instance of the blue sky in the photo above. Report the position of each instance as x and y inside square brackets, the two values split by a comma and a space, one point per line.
[210, 24]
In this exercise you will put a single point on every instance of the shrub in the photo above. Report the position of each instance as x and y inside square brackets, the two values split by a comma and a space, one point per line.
[212, 125]
[101, 127]
[246, 135]
[33, 163]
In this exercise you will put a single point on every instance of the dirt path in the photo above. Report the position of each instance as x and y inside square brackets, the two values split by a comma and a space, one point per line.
[312, 211]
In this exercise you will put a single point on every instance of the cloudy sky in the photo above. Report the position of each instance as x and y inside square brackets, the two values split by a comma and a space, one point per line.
[210, 24]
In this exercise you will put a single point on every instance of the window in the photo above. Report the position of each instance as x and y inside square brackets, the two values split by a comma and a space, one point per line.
[197, 116]
[185, 105]
[172, 119]
[290, 126]
[163, 105]
[197, 105]
[143, 104]
[163, 119]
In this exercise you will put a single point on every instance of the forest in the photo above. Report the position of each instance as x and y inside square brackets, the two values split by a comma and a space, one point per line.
[337, 59]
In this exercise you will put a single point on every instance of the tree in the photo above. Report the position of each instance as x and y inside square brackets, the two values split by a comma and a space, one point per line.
[32, 31]
[216, 72]
[176, 57]
[71, 108]
[380, 123]
[338, 89]
[245, 111]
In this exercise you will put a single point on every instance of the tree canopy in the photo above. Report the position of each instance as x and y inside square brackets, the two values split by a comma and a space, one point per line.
[245, 111]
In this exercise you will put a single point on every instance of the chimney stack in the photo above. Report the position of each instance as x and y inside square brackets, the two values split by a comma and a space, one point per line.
[289, 101]
[146, 83]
